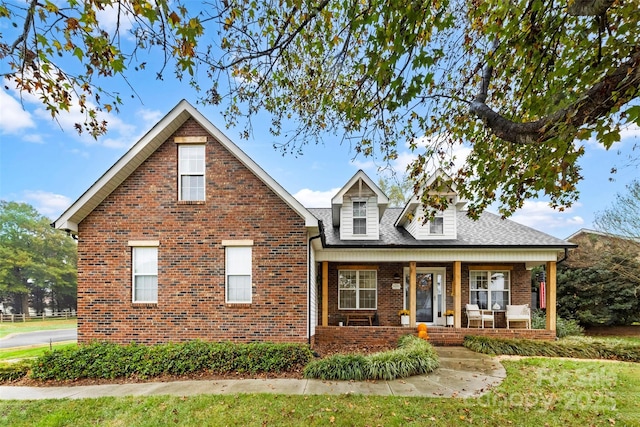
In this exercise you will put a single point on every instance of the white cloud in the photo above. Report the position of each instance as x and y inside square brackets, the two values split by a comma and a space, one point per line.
[48, 204]
[315, 199]
[114, 18]
[14, 119]
[539, 215]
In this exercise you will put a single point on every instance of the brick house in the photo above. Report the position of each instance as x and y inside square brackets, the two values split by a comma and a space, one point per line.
[186, 237]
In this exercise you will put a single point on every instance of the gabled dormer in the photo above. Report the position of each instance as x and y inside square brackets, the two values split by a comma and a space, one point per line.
[358, 208]
[444, 225]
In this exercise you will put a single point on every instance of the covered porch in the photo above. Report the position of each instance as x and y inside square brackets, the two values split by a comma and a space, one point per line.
[453, 285]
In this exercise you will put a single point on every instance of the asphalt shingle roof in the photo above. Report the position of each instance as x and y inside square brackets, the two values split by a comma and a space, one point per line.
[488, 231]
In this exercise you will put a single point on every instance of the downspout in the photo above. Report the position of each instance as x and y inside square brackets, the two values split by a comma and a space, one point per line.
[566, 255]
[309, 288]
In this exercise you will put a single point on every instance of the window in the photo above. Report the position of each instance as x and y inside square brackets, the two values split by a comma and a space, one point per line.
[145, 274]
[238, 274]
[359, 217]
[436, 225]
[357, 289]
[489, 289]
[191, 172]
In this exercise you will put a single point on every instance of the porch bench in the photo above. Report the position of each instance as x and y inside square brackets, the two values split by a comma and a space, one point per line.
[360, 318]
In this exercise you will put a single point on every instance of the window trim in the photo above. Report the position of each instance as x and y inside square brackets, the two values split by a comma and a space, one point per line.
[181, 173]
[488, 273]
[143, 244]
[230, 245]
[432, 224]
[359, 217]
[357, 288]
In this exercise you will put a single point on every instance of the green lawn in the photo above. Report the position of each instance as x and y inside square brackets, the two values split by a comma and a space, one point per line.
[31, 325]
[35, 351]
[537, 391]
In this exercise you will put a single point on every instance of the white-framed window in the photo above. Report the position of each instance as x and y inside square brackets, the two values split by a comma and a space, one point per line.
[191, 172]
[436, 225]
[359, 217]
[490, 289]
[238, 274]
[145, 274]
[357, 289]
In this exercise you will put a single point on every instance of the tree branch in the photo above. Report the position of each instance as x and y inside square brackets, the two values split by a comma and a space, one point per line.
[589, 7]
[623, 82]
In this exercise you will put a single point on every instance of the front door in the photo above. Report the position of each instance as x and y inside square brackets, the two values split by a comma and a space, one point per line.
[429, 302]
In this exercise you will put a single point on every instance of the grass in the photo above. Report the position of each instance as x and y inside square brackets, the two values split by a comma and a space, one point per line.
[536, 391]
[32, 325]
[34, 351]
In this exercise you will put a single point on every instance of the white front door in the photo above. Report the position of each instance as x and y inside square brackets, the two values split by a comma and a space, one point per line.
[430, 300]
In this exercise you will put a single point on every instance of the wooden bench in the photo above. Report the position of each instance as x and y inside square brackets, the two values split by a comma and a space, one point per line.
[360, 318]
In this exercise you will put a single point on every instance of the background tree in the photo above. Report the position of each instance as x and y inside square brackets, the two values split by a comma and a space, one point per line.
[600, 281]
[596, 296]
[520, 81]
[398, 191]
[37, 263]
[621, 223]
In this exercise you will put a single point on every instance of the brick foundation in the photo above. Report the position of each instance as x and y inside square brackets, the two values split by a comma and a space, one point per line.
[439, 336]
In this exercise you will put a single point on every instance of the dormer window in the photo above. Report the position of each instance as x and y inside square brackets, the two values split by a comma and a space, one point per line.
[436, 225]
[359, 217]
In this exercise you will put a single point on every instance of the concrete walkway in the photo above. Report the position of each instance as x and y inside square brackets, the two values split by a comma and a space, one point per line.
[462, 373]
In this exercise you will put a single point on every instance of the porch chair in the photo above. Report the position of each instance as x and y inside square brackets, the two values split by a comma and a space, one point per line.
[518, 313]
[474, 314]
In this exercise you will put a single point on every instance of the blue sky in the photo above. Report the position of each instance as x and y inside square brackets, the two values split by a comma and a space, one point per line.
[47, 164]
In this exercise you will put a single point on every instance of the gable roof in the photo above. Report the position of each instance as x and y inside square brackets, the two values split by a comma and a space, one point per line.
[415, 201]
[489, 231]
[146, 146]
[360, 176]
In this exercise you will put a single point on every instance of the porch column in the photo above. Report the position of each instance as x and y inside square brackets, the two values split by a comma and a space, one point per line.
[551, 295]
[412, 294]
[325, 293]
[457, 294]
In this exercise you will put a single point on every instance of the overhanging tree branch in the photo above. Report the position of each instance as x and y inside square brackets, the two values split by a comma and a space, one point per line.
[617, 88]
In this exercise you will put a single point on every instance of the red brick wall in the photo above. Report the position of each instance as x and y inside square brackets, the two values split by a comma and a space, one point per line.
[191, 282]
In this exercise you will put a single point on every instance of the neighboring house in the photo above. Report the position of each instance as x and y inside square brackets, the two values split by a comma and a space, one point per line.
[592, 246]
[186, 237]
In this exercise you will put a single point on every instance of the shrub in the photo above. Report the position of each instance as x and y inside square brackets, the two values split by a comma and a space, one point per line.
[564, 327]
[413, 356]
[14, 371]
[108, 360]
[577, 347]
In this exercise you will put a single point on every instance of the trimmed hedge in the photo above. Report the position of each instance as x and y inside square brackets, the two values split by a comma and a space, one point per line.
[108, 360]
[577, 347]
[414, 356]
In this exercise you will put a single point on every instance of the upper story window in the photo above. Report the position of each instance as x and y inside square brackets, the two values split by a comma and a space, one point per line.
[145, 274]
[436, 225]
[191, 172]
[359, 217]
[489, 289]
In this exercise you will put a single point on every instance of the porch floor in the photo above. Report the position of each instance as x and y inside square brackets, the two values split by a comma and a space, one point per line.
[438, 335]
